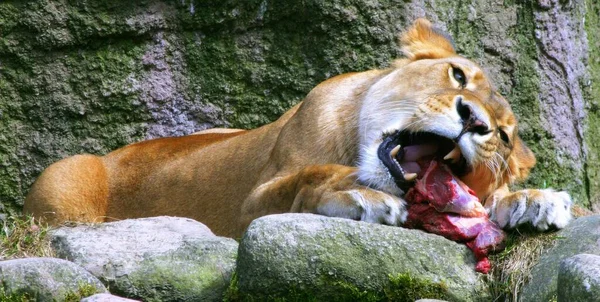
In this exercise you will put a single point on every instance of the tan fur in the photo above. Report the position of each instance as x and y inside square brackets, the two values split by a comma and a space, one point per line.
[218, 130]
[423, 42]
[304, 162]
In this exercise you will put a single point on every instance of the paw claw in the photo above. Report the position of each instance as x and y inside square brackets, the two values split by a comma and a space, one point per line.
[541, 208]
[365, 204]
[388, 210]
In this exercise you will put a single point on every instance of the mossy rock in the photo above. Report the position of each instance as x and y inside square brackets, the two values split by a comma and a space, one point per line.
[152, 259]
[294, 256]
[46, 279]
[579, 278]
[579, 237]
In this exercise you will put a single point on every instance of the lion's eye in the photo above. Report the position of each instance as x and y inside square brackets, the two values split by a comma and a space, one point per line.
[503, 135]
[459, 76]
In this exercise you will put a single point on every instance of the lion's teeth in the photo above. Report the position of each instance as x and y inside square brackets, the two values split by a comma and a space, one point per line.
[394, 151]
[453, 155]
[410, 176]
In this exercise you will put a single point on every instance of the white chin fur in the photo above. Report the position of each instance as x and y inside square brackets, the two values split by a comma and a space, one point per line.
[372, 172]
[467, 148]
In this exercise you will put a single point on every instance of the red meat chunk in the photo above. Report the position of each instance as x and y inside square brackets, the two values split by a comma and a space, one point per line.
[441, 204]
[445, 192]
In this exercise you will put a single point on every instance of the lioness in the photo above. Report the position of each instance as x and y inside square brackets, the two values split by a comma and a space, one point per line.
[340, 152]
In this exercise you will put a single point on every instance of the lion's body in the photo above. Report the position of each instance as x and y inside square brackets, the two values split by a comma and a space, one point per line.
[205, 176]
[304, 162]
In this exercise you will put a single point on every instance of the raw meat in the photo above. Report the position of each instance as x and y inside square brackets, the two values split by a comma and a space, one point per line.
[441, 204]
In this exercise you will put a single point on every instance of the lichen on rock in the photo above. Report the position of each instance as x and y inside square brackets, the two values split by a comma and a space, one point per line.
[283, 256]
[580, 237]
[579, 278]
[45, 279]
[152, 259]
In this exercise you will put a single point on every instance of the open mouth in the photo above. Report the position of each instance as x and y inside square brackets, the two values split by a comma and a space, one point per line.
[407, 154]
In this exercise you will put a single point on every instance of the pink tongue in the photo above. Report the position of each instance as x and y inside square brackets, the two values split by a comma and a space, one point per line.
[416, 152]
[412, 154]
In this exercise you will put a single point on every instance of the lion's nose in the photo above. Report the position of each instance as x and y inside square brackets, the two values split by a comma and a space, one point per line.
[470, 121]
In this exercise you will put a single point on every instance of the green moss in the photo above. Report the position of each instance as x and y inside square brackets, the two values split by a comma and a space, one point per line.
[61, 95]
[191, 273]
[232, 292]
[404, 287]
[150, 285]
[66, 104]
[462, 27]
[551, 170]
[14, 297]
[592, 27]
[258, 74]
[84, 290]
[401, 287]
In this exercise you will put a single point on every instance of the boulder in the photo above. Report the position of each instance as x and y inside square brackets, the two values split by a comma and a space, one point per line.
[579, 237]
[159, 258]
[303, 256]
[106, 298]
[579, 278]
[44, 279]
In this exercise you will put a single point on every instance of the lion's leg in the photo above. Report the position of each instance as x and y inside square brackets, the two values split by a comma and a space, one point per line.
[541, 208]
[330, 190]
[73, 189]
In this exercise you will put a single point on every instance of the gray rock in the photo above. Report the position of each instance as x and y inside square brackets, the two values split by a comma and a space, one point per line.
[106, 298]
[579, 278]
[44, 279]
[159, 258]
[300, 256]
[579, 237]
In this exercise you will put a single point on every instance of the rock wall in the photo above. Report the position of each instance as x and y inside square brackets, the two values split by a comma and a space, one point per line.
[592, 96]
[90, 76]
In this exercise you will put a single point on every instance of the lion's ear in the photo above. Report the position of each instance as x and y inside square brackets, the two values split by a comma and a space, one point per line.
[423, 41]
[521, 160]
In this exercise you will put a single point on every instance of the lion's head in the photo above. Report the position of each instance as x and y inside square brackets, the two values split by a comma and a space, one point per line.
[437, 103]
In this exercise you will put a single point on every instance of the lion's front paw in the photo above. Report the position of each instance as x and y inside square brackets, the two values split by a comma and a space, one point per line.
[541, 208]
[364, 204]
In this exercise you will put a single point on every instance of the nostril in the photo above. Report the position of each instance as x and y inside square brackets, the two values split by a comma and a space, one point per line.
[464, 111]
[479, 127]
[469, 119]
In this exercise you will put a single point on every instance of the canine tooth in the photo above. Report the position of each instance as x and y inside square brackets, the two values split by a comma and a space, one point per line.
[453, 155]
[394, 151]
[410, 176]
